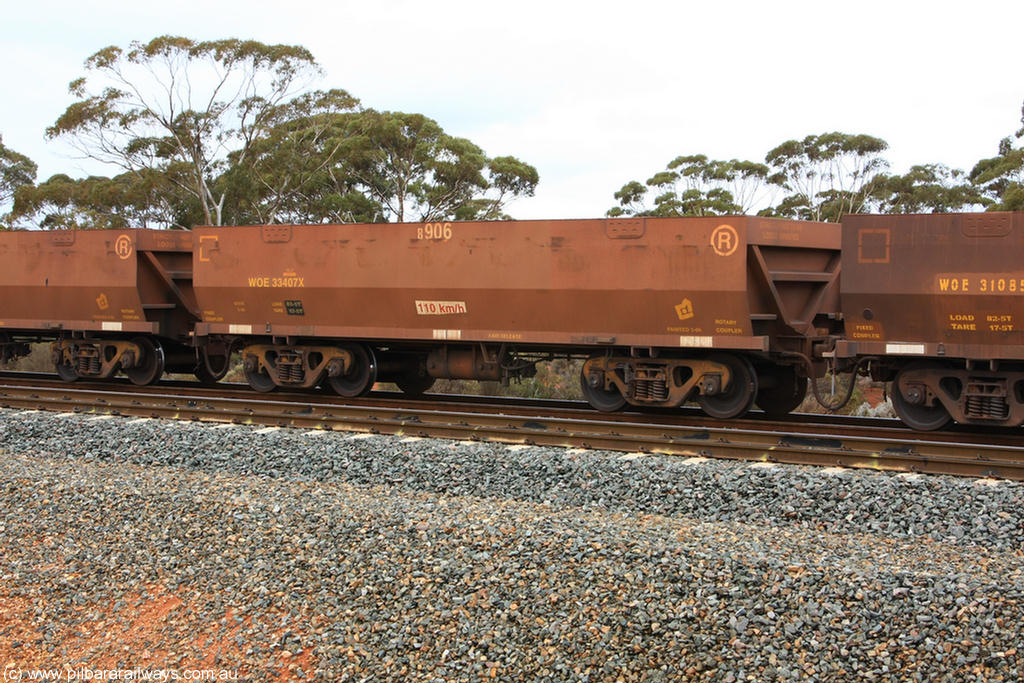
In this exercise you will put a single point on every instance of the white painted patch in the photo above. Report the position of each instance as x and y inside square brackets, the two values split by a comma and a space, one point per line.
[700, 342]
[762, 466]
[518, 447]
[355, 437]
[67, 415]
[139, 420]
[905, 349]
[239, 329]
[112, 327]
[447, 334]
[315, 432]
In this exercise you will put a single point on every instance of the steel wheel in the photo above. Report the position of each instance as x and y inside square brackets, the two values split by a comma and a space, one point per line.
[605, 400]
[738, 397]
[150, 366]
[66, 372]
[919, 417]
[259, 380]
[361, 374]
[788, 392]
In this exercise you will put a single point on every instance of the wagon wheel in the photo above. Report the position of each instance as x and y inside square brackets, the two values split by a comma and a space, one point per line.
[414, 383]
[151, 364]
[65, 371]
[786, 393]
[738, 397]
[918, 416]
[260, 380]
[361, 375]
[605, 400]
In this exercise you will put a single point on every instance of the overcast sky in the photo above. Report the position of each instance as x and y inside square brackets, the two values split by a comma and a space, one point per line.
[593, 94]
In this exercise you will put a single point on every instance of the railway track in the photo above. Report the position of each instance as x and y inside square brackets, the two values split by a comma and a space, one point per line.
[802, 439]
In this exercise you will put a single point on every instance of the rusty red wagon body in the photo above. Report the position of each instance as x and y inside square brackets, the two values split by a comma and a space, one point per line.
[938, 301]
[111, 300]
[668, 309]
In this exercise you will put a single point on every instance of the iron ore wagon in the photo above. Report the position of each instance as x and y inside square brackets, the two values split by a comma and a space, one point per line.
[938, 301]
[723, 310]
[110, 300]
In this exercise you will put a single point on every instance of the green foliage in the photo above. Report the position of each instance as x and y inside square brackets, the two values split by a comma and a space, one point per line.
[296, 172]
[413, 170]
[326, 160]
[826, 176]
[926, 188]
[16, 171]
[129, 200]
[213, 132]
[694, 186]
[1001, 178]
[184, 108]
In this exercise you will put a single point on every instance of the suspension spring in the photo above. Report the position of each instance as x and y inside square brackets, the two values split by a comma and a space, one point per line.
[289, 369]
[88, 365]
[651, 390]
[991, 407]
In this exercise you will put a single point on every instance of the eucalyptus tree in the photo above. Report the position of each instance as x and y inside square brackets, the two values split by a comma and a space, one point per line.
[828, 175]
[1001, 178]
[926, 188]
[192, 107]
[413, 170]
[127, 200]
[296, 171]
[16, 171]
[694, 185]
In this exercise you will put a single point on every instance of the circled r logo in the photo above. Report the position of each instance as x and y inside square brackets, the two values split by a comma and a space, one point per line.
[724, 240]
[123, 246]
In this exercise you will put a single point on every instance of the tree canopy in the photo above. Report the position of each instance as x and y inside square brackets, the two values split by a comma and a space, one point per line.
[824, 177]
[232, 131]
[695, 186]
[185, 108]
[229, 132]
[16, 171]
[1001, 178]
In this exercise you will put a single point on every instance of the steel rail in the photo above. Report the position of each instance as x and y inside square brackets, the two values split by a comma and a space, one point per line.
[821, 424]
[801, 444]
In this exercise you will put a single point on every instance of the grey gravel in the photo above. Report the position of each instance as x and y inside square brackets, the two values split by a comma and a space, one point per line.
[327, 557]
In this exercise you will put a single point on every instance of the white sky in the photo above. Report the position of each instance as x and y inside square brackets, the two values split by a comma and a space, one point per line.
[593, 94]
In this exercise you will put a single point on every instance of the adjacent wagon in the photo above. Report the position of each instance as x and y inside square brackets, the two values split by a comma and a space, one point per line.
[110, 300]
[937, 302]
